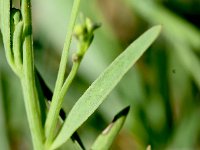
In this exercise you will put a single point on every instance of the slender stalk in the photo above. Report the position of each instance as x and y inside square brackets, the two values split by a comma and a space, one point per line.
[32, 114]
[69, 79]
[55, 107]
[28, 80]
[60, 98]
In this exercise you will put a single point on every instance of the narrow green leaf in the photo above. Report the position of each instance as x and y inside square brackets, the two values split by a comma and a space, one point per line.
[5, 23]
[98, 91]
[5, 29]
[106, 138]
[17, 47]
[149, 147]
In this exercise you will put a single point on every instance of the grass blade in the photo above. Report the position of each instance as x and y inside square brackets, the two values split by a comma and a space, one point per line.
[5, 30]
[98, 91]
[106, 138]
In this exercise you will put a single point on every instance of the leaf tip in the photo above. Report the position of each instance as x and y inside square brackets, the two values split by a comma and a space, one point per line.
[122, 113]
[107, 129]
[148, 147]
[159, 26]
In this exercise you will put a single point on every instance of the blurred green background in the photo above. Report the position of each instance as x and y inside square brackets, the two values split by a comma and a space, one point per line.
[163, 88]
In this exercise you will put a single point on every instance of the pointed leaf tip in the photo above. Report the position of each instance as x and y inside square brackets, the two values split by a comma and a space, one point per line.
[104, 84]
[106, 138]
[123, 112]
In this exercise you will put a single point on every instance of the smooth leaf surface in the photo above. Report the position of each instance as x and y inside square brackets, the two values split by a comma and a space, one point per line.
[106, 138]
[5, 22]
[99, 89]
[5, 28]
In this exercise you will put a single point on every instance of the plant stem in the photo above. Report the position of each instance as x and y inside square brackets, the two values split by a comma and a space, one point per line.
[55, 106]
[69, 79]
[60, 98]
[28, 80]
[33, 116]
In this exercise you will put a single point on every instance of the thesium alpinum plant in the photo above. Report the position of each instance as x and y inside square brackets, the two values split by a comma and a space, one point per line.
[49, 128]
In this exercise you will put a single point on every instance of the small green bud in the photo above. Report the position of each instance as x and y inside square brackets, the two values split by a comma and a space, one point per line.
[91, 26]
[84, 32]
[79, 32]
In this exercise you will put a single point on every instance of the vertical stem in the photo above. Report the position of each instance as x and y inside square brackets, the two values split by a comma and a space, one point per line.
[33, 116]
[28, 80]
[55, 106]
[60, 98]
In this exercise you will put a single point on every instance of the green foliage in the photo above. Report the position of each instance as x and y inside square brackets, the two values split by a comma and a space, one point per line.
[106, 138]
[162, 88]
[16, 28]
[103, 85]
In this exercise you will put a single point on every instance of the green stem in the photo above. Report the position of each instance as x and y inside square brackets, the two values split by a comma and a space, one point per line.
[33, 116]
[28, 80]
[52, 116]
[69, 79]
[60, 99]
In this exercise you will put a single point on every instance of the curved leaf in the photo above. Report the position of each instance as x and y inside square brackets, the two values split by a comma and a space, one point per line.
[106, 138]
[101, 87]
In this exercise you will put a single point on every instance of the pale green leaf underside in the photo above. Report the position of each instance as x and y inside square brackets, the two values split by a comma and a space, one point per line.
[101, 87]
[5, 22]
[106, 138]
[5, 27]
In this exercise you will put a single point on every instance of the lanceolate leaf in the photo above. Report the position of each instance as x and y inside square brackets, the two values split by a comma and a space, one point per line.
[5, 22]
[106, 138]
[5, 28]
[99, 89]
